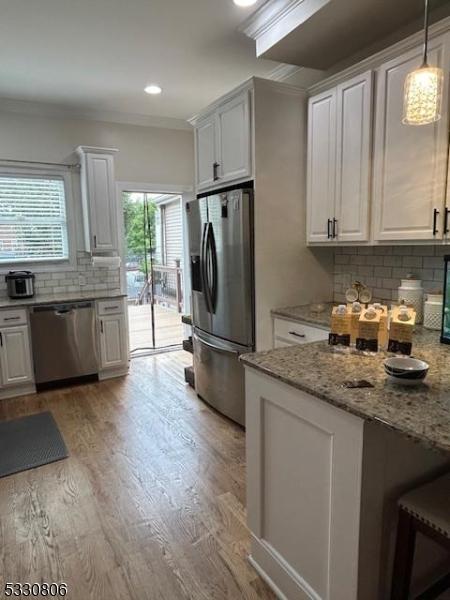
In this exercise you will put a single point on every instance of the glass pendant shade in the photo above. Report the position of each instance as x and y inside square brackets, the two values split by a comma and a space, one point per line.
[423, 96]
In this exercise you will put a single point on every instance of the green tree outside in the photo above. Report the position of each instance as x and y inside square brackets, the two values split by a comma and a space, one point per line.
[137, 238]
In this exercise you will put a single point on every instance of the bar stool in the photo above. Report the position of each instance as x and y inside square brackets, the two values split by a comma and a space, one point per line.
[425, 509]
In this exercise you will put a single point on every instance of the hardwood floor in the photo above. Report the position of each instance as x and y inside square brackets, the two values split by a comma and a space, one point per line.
[150, 503]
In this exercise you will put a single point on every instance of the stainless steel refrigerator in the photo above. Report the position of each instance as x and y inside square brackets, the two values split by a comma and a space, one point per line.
[220, 229]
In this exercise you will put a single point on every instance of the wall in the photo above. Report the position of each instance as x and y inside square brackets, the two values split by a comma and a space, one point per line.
[382, 267]
[146, 155]
[287, 272]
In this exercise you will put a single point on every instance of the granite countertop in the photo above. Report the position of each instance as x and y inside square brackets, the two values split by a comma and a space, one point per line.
[303, 314]
[422, 413]
[59, 298]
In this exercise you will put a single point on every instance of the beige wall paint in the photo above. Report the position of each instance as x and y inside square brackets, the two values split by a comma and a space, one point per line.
[146, 154]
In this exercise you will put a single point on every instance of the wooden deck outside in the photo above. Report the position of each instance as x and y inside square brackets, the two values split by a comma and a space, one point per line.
[168, 326]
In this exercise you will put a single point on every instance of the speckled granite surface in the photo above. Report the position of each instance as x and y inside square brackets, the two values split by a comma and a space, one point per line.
[303, 314]
[422, 413]
[59, 298]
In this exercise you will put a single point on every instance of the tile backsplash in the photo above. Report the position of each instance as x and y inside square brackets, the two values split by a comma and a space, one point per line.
[382, 267]
[85, 278]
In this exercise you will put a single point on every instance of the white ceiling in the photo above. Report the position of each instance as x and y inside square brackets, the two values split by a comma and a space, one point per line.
[99, 54]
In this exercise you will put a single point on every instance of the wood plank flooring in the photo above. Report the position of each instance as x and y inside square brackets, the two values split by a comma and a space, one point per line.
[150, 503]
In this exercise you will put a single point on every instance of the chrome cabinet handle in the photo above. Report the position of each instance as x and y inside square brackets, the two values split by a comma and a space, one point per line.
[101, 325]
[334, 228]
[216, 165]
[300, 335]
[11, 318]
[95, 241]
[329, 228]
[110, 307]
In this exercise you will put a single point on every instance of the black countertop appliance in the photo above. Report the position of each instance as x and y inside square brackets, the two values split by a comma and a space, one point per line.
[20, 284]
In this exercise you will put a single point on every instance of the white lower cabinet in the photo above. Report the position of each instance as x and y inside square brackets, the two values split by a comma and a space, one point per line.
[113, 341]
[288, 333]
[304, 460]
[15, 356]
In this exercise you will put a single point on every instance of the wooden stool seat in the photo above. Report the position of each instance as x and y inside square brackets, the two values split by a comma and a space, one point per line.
[430, 504]
[425, 509]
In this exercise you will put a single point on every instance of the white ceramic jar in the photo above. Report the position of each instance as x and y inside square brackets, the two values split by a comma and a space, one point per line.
[433, 312]
[411, 292]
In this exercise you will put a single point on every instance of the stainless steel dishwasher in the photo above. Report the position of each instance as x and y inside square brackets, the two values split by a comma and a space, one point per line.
[64, 342]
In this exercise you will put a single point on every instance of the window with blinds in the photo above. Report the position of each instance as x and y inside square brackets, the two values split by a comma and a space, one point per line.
[33, 220]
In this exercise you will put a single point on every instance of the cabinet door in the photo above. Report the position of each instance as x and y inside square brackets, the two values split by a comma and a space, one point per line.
[205, 144]
[353, 155]
[15, 357]
[112, 341]
[233, 137]
[321, 169]
[410, 162]
[102, 202]
[291, 498]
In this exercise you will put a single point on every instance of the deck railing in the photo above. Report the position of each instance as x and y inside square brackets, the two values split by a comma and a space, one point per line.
[167, 287]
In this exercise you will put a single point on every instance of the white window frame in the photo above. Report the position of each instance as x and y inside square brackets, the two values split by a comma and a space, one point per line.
[46, 265]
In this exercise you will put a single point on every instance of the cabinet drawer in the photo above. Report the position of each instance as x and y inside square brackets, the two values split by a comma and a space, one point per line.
[16, 316]
[291, 332]
[110, 307]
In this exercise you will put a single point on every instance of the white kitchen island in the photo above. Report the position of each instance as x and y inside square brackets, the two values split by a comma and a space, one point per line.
[326, 466]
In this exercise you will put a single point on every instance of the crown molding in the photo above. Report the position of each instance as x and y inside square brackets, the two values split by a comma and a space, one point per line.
[45, 109]
[276, 19]
[267, 16]
[283, 72]
[244, 86]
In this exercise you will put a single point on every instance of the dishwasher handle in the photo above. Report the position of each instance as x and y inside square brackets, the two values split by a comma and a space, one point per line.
[63, 312]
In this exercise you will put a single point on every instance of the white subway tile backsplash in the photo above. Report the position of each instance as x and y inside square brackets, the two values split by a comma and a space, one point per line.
[384, 266]
[96, 279]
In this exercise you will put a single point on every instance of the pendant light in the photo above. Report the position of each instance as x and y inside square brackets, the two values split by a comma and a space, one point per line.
[423, 89]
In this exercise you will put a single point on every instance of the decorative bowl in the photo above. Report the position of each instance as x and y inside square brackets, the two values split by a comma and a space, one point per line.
[406, 370]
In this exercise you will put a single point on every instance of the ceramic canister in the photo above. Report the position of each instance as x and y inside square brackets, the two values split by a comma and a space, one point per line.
[433, 312]
[411, 293]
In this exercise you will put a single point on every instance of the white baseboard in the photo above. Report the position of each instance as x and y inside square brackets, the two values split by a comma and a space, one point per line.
[20, 390]
[111, 373]
[275, 589]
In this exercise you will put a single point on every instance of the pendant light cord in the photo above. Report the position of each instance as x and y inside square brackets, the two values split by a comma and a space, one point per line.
[425, 42]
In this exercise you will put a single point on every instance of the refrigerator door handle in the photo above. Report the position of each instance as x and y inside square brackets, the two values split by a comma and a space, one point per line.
[212, 257]
[204, 267]
[217, 348]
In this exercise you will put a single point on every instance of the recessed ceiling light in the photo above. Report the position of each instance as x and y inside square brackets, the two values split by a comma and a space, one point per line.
[153, 89]
[245, 2]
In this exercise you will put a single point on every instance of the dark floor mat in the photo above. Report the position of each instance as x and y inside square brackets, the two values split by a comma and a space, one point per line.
[30, 442]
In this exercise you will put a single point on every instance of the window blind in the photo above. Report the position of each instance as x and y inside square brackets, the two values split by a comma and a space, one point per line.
[33, 220]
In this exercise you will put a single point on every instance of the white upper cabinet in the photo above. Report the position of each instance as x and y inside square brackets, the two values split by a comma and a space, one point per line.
[321, 169]
[223, 143]
[205, 142]
[99, 199]
[15, 356]
[409, 178]
[353, 156]
[338, 175]
[234, 139]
